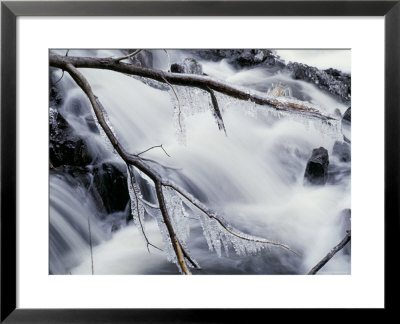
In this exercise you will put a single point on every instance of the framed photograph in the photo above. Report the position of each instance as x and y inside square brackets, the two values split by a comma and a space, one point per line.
[144, 141]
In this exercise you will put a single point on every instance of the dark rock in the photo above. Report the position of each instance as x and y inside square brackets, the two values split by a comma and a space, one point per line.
[91, 123]
[189, 66]
[56, 93]
[317, 167]
[110, 182]
[342, 150]
[340, 172]
[177, 68]
[242, 57]
[330, 80]
[347, 115]
[65, 148]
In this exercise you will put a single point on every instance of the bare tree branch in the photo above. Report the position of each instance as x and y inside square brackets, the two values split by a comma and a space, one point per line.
[160, 146]
[217, 112]
[330, 255]
[140, 163]
[127, 56]
[59, 78]
[174, 240]
[189, 80]
[213, 215]
[130, 159]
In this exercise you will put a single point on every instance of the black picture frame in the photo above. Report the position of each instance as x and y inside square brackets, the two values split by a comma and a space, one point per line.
[10, 10]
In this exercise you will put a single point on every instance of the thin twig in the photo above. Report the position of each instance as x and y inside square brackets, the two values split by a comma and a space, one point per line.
[149, 204]
[133, 181]
[330, 255]
[128, 56]
[153, 148]
[59, 78]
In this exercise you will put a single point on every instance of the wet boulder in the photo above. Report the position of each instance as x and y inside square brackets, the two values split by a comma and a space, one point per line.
[333, 81]
[316, 172]
[65, 148]
[242, 57]
[110, 182]
[177, 68]
[342, 151]
[189, 66]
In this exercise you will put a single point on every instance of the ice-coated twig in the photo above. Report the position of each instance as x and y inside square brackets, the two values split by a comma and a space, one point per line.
[160, 146]
[149, 204]
[179, 103]
[132, 182]
[222, 222]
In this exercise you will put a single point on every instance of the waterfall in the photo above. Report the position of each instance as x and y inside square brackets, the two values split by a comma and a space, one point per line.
[252, 175]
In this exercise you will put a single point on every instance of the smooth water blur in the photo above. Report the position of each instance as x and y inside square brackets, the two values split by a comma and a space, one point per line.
[253, 176]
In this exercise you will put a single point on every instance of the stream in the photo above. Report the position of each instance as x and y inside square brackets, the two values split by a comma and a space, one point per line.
[253, 175]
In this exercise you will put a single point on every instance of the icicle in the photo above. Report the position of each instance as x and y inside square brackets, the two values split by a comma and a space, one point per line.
[178, 215]
[168, 248]
[103, 135]
[218, 236]
[137, 207]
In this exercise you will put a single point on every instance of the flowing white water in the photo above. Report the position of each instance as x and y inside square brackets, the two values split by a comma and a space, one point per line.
[253, 177]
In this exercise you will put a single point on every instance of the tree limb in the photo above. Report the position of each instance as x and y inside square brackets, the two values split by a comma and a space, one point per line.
[330, 255]
[174, 240]
[217, 112]
[160, 146]
[159, 182]
[212, 215]
[189, 80]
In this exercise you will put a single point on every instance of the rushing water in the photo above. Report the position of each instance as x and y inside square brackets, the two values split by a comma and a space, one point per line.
[253, 176]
